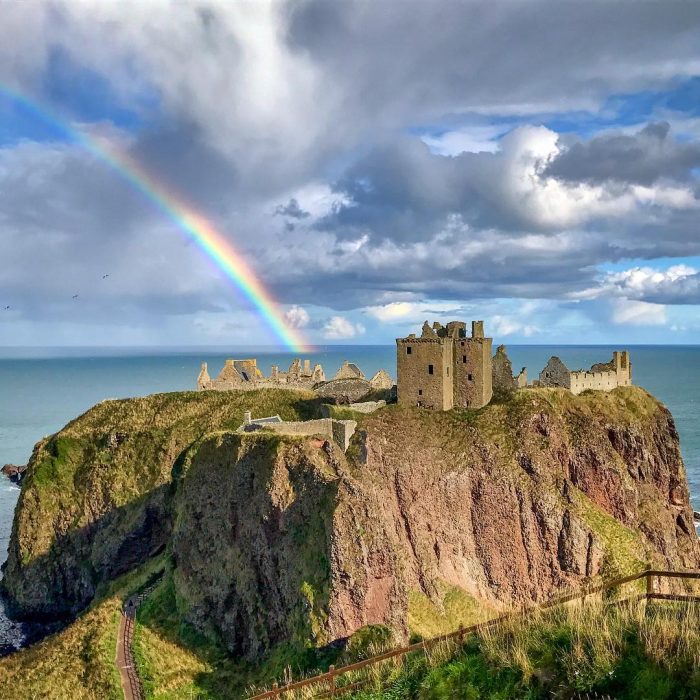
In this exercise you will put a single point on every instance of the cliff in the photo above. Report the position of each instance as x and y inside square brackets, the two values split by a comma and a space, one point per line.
[283, 543]
[96, 496]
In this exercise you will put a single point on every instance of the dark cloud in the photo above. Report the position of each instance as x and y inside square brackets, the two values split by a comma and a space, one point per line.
[641, 158]
[292, 210]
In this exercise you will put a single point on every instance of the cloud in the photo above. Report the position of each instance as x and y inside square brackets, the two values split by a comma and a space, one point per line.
[677, 284]
[626, 312]
[291, 209]
[339, 328]
[297, 317]
[642, 158]
[358, 156]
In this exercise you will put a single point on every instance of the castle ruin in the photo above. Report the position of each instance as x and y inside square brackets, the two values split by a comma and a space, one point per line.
[245, 374]
[603, 376]
[444, 368]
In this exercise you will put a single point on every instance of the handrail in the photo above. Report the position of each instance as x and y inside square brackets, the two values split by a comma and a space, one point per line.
[333, 673]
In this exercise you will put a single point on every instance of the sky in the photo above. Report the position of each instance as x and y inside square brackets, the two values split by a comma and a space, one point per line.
[533, 164]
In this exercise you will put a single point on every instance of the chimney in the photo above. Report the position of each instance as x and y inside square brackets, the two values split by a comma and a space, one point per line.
[477, 329]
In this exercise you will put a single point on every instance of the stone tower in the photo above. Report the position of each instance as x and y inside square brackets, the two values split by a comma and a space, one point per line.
[444, 368]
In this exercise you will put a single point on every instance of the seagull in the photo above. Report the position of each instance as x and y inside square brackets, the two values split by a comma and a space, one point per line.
[7, 308]
[75, 296]
[104, 277]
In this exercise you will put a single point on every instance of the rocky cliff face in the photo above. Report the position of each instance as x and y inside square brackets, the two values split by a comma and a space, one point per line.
[280, 541]
[509, 505]
[96, 497]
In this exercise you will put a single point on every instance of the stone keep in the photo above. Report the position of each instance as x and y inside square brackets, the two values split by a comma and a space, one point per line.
[444, 368]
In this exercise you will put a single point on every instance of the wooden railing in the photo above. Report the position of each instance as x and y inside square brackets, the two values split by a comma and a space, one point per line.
[329, 679]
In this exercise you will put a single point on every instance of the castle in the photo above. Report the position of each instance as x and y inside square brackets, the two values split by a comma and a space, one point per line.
[441, 369]
[444, 368]
[245, 374]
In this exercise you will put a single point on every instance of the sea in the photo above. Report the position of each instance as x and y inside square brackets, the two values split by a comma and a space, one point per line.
[41, 389]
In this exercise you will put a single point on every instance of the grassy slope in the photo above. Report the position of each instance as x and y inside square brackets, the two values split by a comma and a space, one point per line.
[79, 661]
[629, 652]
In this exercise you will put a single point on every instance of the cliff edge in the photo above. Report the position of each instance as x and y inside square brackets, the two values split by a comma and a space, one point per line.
[284, 541]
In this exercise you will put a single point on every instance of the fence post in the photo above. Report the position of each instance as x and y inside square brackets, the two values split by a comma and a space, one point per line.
[461, 633]
[650, 584]
[275, 687]
[331, 670]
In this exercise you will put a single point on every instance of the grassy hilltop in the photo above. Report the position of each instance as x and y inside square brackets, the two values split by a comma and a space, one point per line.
[275, 547]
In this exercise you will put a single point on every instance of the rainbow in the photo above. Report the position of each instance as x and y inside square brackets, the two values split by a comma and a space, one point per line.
[193, 224]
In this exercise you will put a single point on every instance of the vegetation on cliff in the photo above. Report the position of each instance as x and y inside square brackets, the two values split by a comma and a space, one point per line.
[280, 548]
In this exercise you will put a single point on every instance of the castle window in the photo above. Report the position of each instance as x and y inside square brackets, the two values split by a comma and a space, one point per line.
[448, 371]
[469, 377]
[420, 392]
[464, 359]
[430, 369]
[408, 349]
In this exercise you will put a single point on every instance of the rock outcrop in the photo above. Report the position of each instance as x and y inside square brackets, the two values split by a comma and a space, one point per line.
[287, 541]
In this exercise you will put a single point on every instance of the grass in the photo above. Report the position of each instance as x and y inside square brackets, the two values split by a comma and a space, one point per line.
[630, 651]
[77, 662]
[427, 619]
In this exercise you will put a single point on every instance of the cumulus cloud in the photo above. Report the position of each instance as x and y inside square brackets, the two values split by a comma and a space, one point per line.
[297, 317]
[677, 284]
[339, 328]
[642, 158]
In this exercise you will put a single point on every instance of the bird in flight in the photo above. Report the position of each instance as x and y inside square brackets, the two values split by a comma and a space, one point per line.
[104, 277]
[7, 308]
[75, 296]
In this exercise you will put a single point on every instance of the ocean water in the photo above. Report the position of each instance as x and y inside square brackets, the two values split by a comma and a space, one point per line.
[41, 390]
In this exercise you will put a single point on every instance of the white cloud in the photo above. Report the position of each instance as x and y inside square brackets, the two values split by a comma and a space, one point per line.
[628, 312]
[509, 325]
[472, 139]
[646, 283]
[297, 317]
[339, 328]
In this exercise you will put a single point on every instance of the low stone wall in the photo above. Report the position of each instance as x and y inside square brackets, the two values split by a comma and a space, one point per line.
[363, 407]
[340, 431]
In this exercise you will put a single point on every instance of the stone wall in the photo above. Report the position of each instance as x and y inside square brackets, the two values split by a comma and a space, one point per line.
[340, 431]
[555, 373]
[502, 372]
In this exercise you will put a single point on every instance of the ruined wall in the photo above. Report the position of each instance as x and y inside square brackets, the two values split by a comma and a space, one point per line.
[598, 381]
[555, 373]
[502, 372]
[340, 431]
[473, 387]
[416, 385]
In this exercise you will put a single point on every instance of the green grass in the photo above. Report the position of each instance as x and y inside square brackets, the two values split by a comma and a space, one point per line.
[631, 651]
[456, 607]
[77, 662]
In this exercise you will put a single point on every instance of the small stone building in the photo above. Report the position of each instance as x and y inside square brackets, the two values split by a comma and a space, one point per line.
[443, 368]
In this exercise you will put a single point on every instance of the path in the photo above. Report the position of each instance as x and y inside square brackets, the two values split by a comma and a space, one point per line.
[131, 685]
[124, 659]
